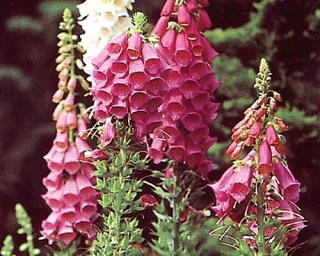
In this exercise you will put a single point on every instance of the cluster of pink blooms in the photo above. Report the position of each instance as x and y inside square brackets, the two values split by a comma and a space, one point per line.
[166, 88]
[236, 188]
[71, 194]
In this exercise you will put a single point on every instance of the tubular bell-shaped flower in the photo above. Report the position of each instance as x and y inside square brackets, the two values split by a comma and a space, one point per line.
[71, 194]
[269, 196]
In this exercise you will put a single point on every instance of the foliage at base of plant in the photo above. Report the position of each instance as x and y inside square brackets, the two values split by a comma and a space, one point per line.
[119, 192]
[176, 219]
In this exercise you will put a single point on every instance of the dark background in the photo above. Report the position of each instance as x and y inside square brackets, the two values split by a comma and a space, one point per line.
[286, 32]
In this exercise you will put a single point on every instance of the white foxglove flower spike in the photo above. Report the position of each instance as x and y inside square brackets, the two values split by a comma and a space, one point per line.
[101, 21]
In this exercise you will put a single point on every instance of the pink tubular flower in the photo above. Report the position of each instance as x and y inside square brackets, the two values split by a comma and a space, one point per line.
[265, 159]
[291, 220]
[287, 182]
[233, 186]
[271, 135]
[108, 133]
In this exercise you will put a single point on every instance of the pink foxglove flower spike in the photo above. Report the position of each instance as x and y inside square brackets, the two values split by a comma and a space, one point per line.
[261, 183]
[70, 183]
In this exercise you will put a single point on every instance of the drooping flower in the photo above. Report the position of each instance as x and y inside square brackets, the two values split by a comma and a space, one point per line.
[234, 186]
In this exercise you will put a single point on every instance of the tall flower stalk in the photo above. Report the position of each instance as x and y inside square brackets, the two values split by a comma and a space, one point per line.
[257, 196]
[188, 108]
[70, 184]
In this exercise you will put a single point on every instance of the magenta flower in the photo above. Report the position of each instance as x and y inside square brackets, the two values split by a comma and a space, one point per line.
[108, 133]
[234, 186]
[271, 136]
[148, 200]
[265, 159]
[289, 185]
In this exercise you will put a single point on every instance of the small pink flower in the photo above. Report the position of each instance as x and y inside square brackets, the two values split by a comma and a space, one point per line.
[56, 162]
[72, 84]
[289, 184]
[61, 124]
[265, 159]
[168, 39]
[52, 181]
[61, 141]
[255, 129]
[120, 88]
[161, 26]
[120, 66]
[168, 7]
[204, 20]
[57, 96]
[137, 76]
[69, 102]
[271, 135]
[71, 160]
[71, 119]
[134, 46]
[66, 234]
[156, 151]
[234, 185]
[70, 192]
[148, 200]
[151, 59]
[183, 16]
[85, 188]
[108, 133]
[182, 50]
[68, 214]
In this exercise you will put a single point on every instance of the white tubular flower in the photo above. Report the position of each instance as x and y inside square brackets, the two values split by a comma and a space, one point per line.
[101, 21]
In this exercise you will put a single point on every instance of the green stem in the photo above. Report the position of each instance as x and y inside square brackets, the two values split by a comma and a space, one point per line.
[72, 54]
[176, 222]
[260, 221]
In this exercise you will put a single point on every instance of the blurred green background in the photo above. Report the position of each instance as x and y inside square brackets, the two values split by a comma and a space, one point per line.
[286, 32]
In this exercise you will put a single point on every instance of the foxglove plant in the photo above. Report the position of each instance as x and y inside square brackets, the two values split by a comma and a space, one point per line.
[101, 21]
[71, 194]
[257, 195]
